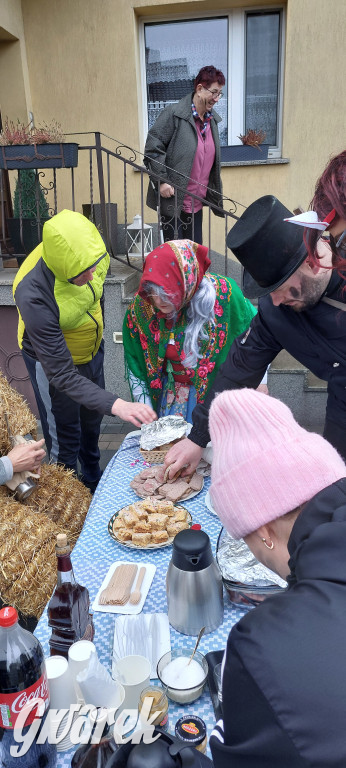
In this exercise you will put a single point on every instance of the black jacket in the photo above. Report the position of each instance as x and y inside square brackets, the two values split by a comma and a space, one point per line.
[284, 683]
[315, 337]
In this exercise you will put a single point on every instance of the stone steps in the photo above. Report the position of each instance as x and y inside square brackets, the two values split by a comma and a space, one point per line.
[300, 389]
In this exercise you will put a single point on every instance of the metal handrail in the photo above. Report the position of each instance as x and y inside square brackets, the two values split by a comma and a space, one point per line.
[134, 160]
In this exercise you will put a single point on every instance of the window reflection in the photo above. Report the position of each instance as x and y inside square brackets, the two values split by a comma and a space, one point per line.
[175, 52]
[262, 73]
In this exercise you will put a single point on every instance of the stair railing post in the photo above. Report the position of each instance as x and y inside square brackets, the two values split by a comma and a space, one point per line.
[102, 192]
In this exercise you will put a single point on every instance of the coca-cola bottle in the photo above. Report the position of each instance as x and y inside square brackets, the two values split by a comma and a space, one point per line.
[68, 608]
[22, 679]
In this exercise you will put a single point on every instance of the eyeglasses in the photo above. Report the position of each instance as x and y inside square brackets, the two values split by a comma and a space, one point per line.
[215, 94]
[339, 246]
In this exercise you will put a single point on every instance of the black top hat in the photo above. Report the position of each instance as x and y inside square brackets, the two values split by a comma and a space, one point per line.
[269, 248]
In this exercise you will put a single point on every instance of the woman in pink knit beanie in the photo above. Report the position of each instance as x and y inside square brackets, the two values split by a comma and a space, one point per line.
[283, 490]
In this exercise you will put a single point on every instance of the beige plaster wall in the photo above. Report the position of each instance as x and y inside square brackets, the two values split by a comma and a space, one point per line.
[84, 70]
[15, 97]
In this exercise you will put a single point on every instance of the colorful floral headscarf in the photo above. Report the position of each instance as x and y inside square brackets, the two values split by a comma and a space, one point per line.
[146, 335]
[178, 267]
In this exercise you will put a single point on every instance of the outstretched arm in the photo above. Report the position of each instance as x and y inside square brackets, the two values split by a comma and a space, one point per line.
[136, 413]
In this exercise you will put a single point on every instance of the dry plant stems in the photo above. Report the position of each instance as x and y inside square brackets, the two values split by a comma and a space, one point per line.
[20, 419]
[19, 133]
[47, 134]
[28, 538]
[253, 138]
[63, 498]
[28, 563]
[14, 133]
[59, 504]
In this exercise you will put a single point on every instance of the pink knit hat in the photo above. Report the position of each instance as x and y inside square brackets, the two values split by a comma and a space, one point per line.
[264, 464]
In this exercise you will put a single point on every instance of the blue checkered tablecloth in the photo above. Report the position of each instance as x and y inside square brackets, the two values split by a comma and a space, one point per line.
[96, 550]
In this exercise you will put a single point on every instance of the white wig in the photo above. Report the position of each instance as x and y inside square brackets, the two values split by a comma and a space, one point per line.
[200, 313]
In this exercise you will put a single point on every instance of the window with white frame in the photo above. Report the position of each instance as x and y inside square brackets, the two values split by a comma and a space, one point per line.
[247, 45]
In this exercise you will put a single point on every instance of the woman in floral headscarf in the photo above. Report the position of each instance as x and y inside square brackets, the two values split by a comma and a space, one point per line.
[179, 328]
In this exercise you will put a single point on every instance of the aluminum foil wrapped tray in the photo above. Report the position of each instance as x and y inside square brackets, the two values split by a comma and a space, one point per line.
[164, 430]
[238, 565]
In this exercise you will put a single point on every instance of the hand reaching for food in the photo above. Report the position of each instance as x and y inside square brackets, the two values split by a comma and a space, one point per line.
[136, 413]
[184, 455]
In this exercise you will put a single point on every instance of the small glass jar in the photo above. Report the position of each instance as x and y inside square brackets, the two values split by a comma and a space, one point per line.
[192, 730]
[159, 704]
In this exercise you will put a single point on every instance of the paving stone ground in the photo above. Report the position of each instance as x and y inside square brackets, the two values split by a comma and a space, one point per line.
[111, 437]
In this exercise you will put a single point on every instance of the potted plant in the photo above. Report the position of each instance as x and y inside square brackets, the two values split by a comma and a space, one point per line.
[251, 148]
[30, 211]
[43, 147]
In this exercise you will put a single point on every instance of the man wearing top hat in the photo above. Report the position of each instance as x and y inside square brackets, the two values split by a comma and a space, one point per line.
[300, 309]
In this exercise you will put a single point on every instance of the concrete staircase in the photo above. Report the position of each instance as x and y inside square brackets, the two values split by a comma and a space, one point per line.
[303, 392]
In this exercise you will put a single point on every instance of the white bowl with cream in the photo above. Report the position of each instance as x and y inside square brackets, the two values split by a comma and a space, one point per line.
[184, 681]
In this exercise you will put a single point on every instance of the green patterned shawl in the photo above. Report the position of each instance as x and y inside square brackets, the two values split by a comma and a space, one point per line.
[145, 338]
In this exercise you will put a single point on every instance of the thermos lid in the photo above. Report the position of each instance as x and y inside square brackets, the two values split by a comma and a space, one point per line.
[191, 550]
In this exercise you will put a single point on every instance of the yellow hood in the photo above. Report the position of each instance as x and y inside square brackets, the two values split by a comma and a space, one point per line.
[71, 244]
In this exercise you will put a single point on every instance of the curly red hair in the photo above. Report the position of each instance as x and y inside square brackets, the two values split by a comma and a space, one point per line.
[330, 192]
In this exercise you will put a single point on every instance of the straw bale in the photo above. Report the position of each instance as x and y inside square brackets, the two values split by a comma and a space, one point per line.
[59, 504]
[10, 518]
[31, 591]
[28, 537]
[21, 420]
[63, 498]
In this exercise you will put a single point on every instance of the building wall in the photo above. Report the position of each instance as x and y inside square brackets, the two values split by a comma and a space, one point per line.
[15, 97]
[84, 70]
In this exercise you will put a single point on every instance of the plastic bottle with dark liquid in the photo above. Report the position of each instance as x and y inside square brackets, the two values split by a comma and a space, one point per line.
[23, 679]
[68, 609]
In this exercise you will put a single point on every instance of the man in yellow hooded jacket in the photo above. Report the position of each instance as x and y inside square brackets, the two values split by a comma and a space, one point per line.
[58, 292]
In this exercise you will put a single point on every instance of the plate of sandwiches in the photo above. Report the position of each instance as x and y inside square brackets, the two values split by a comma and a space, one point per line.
[148, 524]
[154, 481]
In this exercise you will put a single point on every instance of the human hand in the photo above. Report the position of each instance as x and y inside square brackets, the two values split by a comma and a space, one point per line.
[166, 190]
[136, 413]
[184, 454]
[27, 456]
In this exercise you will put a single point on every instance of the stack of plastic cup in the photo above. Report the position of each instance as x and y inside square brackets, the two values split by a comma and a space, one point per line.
[62, 696]
[78, 659]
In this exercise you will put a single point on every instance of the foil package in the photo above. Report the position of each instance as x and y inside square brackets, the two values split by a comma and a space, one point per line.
[163, 431]
[238, 564]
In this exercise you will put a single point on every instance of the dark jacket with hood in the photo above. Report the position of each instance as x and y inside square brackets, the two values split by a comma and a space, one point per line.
[284, 684]
[61, 324]
[316, 337]
[169, 152]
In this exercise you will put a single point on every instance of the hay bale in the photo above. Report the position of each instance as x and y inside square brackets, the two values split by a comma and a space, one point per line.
[21, 420]
[28, 536]
[28, 531]
[63, 498]
[28, 563]
[31, 591]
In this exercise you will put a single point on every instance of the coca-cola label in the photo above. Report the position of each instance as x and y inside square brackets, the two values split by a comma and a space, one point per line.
[11, 704]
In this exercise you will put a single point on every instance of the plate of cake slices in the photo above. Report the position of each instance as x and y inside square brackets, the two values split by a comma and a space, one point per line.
[148, 524]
